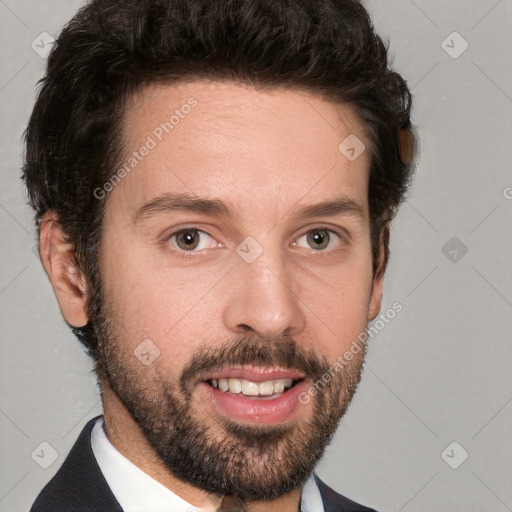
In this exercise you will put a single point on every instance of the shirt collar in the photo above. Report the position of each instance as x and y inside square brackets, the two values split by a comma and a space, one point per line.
[136, 491]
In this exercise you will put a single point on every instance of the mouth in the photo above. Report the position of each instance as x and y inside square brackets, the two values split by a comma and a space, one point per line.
[255, 395]
[268, 389]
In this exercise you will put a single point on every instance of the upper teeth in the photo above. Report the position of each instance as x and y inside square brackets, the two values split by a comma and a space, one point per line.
[250, 388]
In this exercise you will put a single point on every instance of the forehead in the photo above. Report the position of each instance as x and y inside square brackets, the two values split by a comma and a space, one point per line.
[251, 147]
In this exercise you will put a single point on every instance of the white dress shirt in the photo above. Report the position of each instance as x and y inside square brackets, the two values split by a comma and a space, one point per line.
[138, 492]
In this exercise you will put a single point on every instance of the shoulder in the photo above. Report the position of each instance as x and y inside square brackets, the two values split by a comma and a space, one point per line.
[334, 502]
[79, 485]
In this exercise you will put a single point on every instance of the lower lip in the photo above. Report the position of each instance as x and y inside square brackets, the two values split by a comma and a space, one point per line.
[263, 410]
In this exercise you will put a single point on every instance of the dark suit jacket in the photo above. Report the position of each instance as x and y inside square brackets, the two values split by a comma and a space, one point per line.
[79, 486]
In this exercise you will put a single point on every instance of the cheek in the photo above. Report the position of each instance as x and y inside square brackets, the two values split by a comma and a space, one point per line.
[337, 306]
[168, 305]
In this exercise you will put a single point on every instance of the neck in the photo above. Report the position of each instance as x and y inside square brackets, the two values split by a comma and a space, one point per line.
[128, 439]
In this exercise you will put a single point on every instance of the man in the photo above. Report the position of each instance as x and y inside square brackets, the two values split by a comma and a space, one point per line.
[214, 183]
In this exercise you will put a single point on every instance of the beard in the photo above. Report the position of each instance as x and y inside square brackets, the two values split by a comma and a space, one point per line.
[216, 454]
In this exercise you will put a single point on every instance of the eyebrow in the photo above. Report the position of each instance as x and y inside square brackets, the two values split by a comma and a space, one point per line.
[183, 202]
[170, 202]
[330, 208]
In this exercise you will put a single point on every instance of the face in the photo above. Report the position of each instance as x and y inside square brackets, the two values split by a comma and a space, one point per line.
[236, 269]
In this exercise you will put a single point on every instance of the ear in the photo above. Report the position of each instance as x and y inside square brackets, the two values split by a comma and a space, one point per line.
[378, 276]
[60, 263]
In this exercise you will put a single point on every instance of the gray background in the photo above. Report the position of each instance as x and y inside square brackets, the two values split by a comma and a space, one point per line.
[440, 372]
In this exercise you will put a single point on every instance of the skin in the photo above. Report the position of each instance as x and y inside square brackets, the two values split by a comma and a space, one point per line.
[266, 154]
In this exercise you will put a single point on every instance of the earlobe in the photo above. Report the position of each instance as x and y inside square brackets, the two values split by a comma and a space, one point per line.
[378, 278]
[59, 261]
[376, 297]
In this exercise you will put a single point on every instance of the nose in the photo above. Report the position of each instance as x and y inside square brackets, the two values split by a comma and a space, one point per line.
[262, 299]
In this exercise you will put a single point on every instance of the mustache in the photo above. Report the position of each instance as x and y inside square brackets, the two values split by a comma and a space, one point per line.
[283, 353]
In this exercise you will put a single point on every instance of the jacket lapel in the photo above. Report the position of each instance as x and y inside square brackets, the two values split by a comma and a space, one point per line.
[79, 485]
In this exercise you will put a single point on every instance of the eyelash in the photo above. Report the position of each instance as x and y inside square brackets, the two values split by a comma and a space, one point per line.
[194, 253]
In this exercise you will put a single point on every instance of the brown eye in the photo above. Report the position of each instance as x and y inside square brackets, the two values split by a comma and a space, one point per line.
[188, 240]
[318, 239]
[192, 240]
